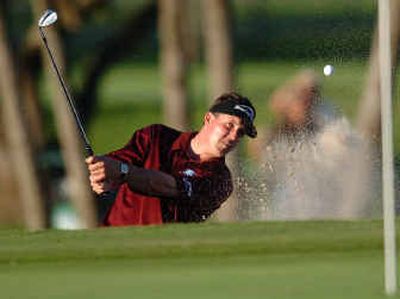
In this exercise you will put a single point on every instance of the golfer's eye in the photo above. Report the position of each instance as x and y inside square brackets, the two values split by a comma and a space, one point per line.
[229, 126]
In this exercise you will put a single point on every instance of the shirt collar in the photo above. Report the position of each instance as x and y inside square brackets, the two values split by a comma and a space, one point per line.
[182, 143]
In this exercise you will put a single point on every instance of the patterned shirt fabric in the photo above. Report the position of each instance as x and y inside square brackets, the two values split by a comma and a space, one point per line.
[203, 186]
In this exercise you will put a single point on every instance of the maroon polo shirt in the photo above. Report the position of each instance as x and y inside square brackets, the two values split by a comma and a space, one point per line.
[204, 186]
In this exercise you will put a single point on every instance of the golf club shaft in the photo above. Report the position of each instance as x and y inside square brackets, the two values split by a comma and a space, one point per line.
[105, 196]
[87, 146]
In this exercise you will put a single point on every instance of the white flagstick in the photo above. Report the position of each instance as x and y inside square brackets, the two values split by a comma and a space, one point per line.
[385, 72]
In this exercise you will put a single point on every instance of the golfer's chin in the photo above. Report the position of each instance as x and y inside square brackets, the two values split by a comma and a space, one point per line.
[225, 150]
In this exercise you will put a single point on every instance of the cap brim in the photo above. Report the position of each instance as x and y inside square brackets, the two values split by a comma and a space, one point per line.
[250, 129]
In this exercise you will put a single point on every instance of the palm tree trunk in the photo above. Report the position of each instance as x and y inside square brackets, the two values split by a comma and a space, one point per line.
[174, 62]
[218, 42]
[10, 202]
[20, 149]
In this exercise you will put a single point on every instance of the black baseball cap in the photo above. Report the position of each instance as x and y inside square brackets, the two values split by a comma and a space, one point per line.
[234, 104]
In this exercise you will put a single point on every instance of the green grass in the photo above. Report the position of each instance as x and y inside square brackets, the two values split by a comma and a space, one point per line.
[245, 260]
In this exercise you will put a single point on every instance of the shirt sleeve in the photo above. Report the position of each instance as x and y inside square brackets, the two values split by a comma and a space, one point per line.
[136, 150]
[201, 196]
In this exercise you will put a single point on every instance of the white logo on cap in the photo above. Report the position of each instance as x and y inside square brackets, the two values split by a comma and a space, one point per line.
[246, 110]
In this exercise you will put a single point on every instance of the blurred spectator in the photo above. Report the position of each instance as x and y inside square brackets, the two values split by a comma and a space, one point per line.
[298, 110]
[313, 163]
[293, 105]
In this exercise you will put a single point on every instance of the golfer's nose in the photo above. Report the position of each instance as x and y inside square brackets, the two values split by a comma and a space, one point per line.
[234, 135]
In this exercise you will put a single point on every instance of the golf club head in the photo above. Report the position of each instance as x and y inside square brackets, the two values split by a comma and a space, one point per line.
[48, 18]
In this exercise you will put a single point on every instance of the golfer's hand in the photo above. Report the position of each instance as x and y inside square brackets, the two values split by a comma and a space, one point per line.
[103, 173]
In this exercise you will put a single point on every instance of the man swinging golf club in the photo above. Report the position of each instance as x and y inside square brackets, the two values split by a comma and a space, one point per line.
[163, 175]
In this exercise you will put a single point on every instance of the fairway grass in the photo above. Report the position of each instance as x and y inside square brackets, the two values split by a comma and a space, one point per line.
[245, 260]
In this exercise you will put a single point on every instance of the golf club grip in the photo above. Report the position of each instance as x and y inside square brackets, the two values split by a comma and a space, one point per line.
[88, 149]
[104, 203]
[107, 195]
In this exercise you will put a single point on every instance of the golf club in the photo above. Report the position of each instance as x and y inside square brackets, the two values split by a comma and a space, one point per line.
[48, 18]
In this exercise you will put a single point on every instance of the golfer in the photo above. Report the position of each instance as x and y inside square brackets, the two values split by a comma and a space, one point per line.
[165, 176]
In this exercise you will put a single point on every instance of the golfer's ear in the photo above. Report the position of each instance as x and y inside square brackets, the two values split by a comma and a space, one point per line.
[207, 117]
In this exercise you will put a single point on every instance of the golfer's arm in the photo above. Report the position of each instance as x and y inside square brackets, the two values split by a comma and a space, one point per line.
[152, 182]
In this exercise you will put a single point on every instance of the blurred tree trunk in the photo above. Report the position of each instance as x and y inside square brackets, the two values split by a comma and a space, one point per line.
[68, 13]
[78, 182]
[192, 31]
[369, 110]
[19, 146]
[10, 202]
[219, 56]
[28, 76]
[29, 89]
[174, 64]
[218, 42]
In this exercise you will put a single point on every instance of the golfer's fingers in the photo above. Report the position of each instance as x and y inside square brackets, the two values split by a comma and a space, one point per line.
[97, 185]
[97, 177]
[103, 166]
[94, 165]
[94, 159]
[97, 167]
[89, 160]
[100, 188]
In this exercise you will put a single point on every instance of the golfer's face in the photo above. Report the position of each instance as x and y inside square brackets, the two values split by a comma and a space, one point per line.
[225, 132]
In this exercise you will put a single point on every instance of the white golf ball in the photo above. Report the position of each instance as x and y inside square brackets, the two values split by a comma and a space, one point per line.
[328, 70]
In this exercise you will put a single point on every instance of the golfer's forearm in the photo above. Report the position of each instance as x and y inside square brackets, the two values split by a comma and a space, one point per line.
[151, 182]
